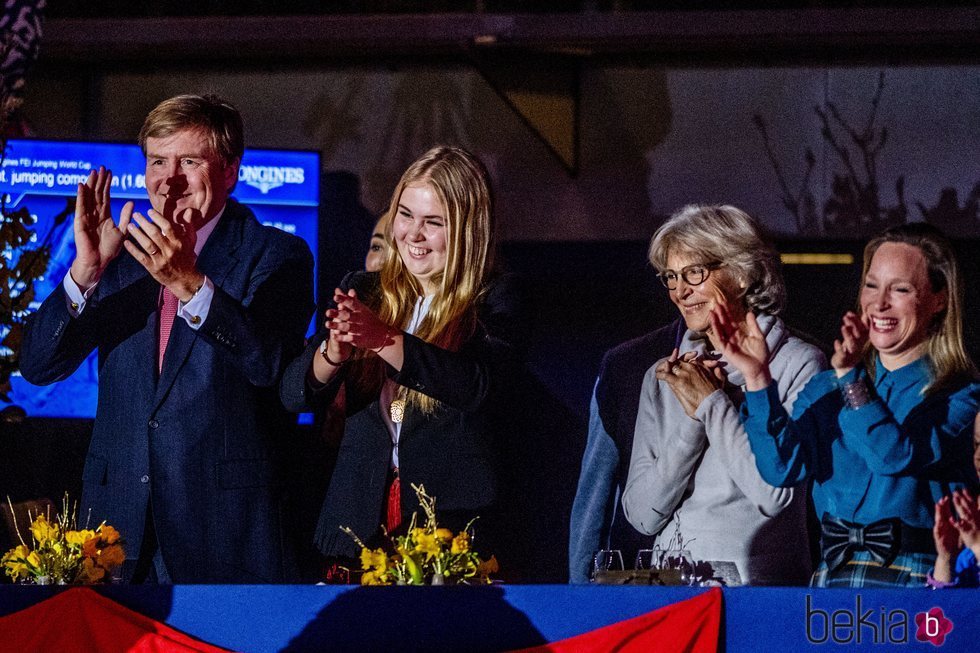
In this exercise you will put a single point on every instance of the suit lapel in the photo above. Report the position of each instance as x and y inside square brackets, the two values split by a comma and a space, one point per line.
[218, 258]
[220, 253]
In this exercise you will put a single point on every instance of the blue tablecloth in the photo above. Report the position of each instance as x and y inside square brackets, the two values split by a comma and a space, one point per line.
[308, 618]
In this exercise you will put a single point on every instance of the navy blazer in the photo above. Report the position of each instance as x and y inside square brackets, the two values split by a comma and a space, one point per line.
[453, 452]
[204, 441]
[597, 520]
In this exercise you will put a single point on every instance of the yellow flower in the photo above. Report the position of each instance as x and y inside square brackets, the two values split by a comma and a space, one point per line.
[444, 535]
[15, 561]
[78, 538]
[375, 559]
[43, 530]
[461, 543]
[373, 578]
[428, 544]
[33, 560]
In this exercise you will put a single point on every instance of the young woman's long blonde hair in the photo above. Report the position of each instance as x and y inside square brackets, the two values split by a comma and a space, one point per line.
[948, 361]
[460, 182]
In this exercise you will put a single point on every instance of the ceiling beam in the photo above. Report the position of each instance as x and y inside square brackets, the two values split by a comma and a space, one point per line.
[831, 33]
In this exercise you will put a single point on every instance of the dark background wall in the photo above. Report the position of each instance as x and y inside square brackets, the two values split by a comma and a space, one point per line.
[595, 125]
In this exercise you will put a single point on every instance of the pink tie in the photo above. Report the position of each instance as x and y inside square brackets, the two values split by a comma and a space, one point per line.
[168, 311]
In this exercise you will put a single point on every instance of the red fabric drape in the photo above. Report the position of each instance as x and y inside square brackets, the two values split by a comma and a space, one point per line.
[80, 620]
[690, 626]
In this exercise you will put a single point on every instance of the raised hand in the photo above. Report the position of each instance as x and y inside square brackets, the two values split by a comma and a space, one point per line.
[336, 323]
[334, 352]
[947, 539]
[97, 238]
[744, 345]
[166, 250]
[353, 322]
[944, 531]
[850, 348]
[968, 525]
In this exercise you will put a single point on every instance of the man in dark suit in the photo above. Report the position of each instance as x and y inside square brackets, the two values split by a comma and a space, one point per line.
[195, 310]
[597, 520]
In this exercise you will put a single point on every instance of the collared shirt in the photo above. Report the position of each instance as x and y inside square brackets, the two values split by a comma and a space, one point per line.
[390, 389]
[194, 311]
[893, 457]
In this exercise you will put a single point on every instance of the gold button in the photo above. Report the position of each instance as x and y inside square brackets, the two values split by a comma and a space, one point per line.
[74, 306]
[195, 319]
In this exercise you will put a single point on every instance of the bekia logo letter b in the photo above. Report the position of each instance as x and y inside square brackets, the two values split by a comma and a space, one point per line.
[932, 626]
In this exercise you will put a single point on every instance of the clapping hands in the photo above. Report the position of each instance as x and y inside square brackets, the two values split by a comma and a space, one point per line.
[948, 532]
[355, 325]
[850, 348]
[691, 379]
[166, 249]
[743, 344]
[98, 240]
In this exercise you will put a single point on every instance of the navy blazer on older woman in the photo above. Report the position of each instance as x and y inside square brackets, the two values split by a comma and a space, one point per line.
[453, 452]
[200, 441]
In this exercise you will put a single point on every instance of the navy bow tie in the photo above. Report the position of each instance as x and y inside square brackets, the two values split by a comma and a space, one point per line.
[840, 539]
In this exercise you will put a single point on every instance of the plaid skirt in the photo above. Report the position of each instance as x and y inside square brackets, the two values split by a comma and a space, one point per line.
[907, 570]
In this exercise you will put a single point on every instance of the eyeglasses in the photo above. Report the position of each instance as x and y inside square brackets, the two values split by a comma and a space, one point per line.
[693, 275]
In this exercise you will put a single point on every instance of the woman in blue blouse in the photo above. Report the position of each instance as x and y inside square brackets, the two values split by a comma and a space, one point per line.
[888, 431]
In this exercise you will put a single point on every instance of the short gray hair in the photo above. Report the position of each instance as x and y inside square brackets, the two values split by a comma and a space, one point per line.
[727, 235]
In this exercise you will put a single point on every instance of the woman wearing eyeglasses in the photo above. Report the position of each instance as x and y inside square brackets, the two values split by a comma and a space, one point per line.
[693, 480]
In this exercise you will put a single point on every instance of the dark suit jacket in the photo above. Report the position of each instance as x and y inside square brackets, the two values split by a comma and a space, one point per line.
[202, 442]
[452, 452]
[598, 521]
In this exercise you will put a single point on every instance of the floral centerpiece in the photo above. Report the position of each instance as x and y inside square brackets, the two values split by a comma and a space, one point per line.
[425, 555]
[60, 553]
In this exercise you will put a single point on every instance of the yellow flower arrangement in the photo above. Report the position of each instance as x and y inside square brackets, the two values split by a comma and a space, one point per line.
[426, 555]
[60, 553]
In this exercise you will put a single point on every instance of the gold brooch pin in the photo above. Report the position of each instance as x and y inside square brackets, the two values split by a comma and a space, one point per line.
[397, 411]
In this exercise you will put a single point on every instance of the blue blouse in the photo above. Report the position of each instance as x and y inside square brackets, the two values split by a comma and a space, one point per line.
[893, 457]
[967, 571]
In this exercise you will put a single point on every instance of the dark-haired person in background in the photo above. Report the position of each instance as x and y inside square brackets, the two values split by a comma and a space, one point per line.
[378, 248]
[195, 310]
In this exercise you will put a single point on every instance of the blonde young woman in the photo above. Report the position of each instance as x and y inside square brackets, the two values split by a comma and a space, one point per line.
[888, 431]
[421, 349]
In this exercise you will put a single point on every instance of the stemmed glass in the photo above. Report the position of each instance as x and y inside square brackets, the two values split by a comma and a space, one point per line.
[647, 559]
[681, 560]
[606, 560]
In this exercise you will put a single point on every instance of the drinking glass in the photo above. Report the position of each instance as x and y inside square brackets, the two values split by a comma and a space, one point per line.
[606, 560]
[647, 559]
[681, 560]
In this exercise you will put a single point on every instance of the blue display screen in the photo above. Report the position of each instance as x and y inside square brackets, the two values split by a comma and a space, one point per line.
[282, 187]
